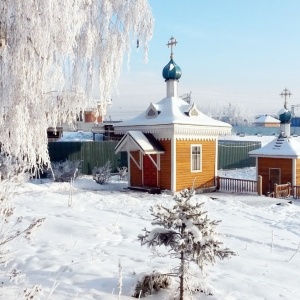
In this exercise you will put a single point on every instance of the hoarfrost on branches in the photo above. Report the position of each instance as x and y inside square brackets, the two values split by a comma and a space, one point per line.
[53, 56]
[102, 174]
[147, 284]
[65, 171]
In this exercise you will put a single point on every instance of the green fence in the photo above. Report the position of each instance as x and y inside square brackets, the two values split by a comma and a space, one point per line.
[234, 154]
[90, 153]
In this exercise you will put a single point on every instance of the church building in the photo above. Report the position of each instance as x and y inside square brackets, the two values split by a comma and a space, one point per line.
[278, 162]
[172, 145]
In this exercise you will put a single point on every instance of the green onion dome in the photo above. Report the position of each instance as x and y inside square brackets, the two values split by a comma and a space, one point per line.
[171, 71]
[284, 116]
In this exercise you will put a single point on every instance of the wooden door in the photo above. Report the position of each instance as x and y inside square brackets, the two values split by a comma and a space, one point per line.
[150, 171]
[274, 177]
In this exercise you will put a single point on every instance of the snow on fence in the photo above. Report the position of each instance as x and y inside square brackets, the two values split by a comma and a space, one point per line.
[295, 191]
[286, 190]
[246, 186]
[239, 185]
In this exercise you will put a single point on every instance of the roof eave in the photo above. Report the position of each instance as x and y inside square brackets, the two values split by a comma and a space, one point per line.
[275, 156]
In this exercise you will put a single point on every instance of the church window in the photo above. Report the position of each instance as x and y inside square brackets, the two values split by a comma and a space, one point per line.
[151, 113]
[196, 158]
[194, 113]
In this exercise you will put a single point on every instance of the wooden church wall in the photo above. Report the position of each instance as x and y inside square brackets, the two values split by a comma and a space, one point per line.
[165, 166]
[135, 172]
[297, 171]
[186, 178]
[265, 163]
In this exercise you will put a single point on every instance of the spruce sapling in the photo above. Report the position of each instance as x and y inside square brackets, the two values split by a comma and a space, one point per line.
[187, 231]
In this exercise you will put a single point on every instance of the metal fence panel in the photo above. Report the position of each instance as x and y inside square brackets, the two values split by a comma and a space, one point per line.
[235, 154]
[90, 153]
[232, 154]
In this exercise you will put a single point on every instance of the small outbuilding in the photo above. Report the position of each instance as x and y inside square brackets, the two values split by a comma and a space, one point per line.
[172, 145]
[279, 161]
[266, 121]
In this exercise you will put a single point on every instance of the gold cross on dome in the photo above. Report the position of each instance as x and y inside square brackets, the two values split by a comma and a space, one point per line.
[285, 93]
[172, 42]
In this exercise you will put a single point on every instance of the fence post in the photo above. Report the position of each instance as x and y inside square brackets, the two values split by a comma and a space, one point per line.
[289, 189]
[217, 183]
[275, 190]
[259, 185]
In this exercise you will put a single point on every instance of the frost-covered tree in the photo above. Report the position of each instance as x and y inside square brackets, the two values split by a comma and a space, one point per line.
[187, 231]
[102, 174]
[234, 114]
[65, 171]
[53, 56]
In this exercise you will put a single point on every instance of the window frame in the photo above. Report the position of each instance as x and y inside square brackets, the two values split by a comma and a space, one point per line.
[193, 156]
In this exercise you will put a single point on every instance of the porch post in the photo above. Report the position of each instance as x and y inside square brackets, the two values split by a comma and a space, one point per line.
[275, 190]
[294, 171]
[129, 174]
[173, 163]
[259, 185]
[142, 165]
[216, 163]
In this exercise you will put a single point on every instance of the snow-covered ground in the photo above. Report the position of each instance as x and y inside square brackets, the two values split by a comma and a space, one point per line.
[79, 248]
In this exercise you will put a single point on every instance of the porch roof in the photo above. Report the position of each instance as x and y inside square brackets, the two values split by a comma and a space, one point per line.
[138, 141]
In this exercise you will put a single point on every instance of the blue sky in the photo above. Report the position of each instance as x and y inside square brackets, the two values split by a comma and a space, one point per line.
[243, 52]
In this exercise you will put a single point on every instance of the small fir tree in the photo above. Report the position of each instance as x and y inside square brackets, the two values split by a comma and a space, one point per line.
[187, 231]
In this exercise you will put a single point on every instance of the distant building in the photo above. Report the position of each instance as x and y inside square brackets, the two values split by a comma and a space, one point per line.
[278, 162]
[266, 121]
[295, 122]
[53, 134]
[85, 121]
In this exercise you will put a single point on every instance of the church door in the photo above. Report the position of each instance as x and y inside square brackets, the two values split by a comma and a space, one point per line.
[150, 171]
[274, 177]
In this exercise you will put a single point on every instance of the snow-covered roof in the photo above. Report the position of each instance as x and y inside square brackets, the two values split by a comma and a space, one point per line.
[281, 147]
[266, 119]
[173, 110]
[79, 136]
[136, 140]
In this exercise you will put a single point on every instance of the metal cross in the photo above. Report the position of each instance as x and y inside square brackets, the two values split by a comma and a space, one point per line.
[285, 93]
[171, 43]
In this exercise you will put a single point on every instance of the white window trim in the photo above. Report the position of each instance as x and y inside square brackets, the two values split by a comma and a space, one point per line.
[191, 155]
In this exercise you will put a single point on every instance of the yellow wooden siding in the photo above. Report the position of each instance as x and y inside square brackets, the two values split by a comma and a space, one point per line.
[284, 164]
[272, 125]
[186, 178]
[297, 172]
